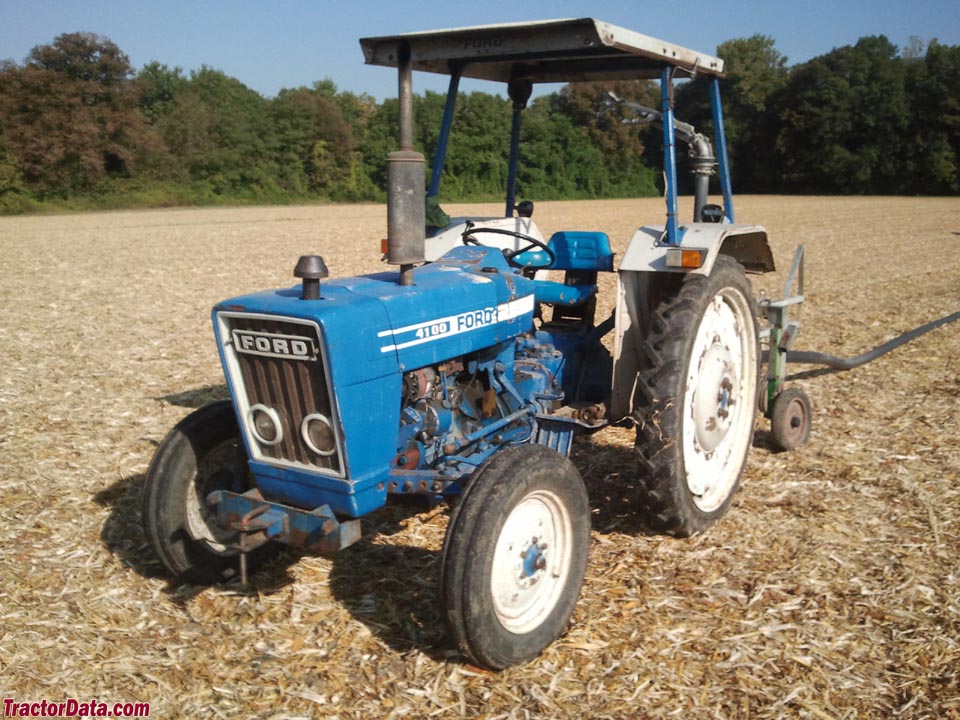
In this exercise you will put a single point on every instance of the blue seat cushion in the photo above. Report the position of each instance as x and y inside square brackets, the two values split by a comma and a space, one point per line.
[556, 293]
[581, 250]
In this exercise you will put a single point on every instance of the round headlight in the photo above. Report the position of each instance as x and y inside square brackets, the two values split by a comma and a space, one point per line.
[318, 434]
[265, 424]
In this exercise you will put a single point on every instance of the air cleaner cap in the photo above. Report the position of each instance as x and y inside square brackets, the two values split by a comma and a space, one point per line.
[312, 269]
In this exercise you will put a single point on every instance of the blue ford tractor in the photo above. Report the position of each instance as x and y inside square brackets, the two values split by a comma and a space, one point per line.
[468, 372]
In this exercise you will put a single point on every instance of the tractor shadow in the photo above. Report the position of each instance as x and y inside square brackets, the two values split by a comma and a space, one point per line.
[388, 585]
[392, 588]
[122, 534]
[615, 482]
[612, 476]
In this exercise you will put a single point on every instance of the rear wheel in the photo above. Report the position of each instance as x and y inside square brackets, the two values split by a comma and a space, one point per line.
[201, 454]
[515, 556]
[697, 399]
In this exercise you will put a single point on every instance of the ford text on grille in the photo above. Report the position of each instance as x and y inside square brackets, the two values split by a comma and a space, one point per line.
[272, 345]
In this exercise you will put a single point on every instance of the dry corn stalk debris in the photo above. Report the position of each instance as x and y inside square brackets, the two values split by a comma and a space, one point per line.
[831, 590]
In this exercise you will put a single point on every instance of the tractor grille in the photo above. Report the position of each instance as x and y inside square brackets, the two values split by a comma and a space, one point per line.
[280, 364]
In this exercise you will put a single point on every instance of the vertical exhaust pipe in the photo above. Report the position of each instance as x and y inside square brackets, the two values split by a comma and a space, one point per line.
[406, 178]
[703, 165]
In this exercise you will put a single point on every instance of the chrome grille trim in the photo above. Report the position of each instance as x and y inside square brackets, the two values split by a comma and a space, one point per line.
[295, 387]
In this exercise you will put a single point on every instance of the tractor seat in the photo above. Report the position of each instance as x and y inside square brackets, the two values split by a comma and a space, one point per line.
[580, 250]
[581, 254]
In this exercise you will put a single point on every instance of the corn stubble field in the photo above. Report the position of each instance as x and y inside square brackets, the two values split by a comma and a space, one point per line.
[830, 590]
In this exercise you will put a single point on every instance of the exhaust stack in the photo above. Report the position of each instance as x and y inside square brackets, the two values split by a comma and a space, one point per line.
[406, 178]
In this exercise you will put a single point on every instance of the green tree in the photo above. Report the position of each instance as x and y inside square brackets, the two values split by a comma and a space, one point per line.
[378, 138]
[932, 156]
[71, 115]
[313, 143]
[220, 132]
[558, 160]
[755, 71]
[188, 130]
[607, 127]
[477, 157]
[842, 119]
[12, 191]
[357, 111]
[159, 86]
[90, 59]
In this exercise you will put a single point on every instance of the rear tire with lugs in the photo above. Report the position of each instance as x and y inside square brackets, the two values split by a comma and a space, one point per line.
[696, 399]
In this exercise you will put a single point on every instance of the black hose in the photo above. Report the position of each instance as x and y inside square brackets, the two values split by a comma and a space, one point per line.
[804, 357]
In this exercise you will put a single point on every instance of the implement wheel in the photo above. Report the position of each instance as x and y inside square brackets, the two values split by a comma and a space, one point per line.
[790, 419]
[697, 398]
[515, 556]
[201, 454]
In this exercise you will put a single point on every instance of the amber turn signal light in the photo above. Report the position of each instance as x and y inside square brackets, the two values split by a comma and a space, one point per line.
[684, 258]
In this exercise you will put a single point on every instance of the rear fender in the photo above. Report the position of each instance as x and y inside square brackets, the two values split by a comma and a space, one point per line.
[644, 279]
[745, 243]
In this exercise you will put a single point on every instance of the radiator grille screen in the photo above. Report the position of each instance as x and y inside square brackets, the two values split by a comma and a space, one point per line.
[279, 363]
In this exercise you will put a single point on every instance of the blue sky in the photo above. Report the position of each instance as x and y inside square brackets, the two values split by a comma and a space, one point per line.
[288, 43]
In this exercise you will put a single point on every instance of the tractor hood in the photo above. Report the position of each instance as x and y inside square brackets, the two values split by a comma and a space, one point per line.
[372, 326]
[339, 360]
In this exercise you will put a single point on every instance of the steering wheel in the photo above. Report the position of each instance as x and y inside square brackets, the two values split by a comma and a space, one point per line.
[531, 242]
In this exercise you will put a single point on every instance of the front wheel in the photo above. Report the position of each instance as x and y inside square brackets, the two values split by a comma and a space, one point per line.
[697, 399]
[515, 556]
[201, 454]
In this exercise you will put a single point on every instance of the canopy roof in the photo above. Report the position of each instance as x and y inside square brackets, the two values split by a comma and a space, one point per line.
[541, 52]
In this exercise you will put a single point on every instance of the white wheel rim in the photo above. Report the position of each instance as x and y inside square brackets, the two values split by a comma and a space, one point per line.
[719, 398]
[201, 523]
[539, 524]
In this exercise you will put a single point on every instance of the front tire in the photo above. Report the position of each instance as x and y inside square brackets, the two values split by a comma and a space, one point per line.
[697, 399]
[202, 453]
[515, 556]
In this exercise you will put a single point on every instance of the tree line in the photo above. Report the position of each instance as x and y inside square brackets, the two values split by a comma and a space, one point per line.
[80, 127]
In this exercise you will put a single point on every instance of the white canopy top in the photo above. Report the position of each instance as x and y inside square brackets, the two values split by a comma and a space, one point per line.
[541, 52]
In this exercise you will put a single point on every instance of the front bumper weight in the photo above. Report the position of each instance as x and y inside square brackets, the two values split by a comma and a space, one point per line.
[257, 521]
